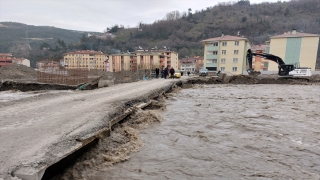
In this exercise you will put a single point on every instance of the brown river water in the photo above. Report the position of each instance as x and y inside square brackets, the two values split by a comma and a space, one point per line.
[228, 132]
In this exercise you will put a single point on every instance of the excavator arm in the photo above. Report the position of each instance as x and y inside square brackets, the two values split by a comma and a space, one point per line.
[283, 68]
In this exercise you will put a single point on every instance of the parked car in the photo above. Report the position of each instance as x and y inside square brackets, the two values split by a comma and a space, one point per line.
[177, 74]
[203, 72]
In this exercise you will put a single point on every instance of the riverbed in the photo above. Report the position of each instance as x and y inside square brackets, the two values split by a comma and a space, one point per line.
[230, 132]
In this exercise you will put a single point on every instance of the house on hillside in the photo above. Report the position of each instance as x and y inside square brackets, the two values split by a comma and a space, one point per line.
[226, 53]
[295, 48]
[5, 59]
[21, 61]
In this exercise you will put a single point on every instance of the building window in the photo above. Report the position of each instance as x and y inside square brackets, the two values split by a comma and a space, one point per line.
[224, 51]
[234, 69]
[236, 43]
[224, 43]
[213, 44]
[212, 52]
[236, 52]
[235, 60]
[222, 68]
[212, 60]
[223, 61]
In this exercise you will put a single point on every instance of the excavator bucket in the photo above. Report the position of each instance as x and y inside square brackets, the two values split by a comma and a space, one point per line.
[253, 73]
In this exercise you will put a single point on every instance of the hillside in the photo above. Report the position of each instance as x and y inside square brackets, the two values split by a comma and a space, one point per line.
[13, 36]
[257, 22]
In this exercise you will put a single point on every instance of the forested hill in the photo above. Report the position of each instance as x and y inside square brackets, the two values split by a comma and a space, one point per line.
[257, 22]
[12, 35]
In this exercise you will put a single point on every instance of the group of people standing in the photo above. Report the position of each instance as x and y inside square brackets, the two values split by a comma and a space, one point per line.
[165, 72]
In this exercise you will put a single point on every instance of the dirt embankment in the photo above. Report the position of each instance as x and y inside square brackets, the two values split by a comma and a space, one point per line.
[245, 79]
[17, 72]
[33, 86]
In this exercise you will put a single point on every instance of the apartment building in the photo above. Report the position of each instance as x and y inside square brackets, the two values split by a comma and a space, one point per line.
[48, 65]
[193, 64]
[85, 59]
[259, 63]
[154, 58]
[168, 58]
[295, 48]
[119, 62]
[226, 53]
[5, 59]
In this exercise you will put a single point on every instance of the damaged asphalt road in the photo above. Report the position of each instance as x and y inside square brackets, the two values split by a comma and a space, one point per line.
[38, 131]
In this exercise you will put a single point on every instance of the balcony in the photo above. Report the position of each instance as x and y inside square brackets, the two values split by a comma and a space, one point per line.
[212, 48]
[211, 56]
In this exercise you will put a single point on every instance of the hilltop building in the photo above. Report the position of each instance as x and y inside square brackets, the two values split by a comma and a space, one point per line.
[85, 59]
[295, 48]
[5, 59]
[226, 53]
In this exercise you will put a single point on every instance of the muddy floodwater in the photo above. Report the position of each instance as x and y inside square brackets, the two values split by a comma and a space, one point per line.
[230, 132]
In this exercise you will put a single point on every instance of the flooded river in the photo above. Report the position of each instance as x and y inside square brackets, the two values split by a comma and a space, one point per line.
[230, 132]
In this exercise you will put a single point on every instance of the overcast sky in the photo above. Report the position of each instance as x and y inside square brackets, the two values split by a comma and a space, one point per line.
[96, 15]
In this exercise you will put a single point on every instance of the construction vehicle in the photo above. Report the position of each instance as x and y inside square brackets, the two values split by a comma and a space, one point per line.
[285, 70]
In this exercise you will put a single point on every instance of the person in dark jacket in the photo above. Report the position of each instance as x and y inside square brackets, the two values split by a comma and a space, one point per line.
[166, 72]
[162, 72]
[157, 72]
[249, 58]
[172, 73]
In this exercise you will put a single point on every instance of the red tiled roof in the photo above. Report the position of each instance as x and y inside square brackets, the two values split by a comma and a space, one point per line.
[85, 52]
[225, 38]
[4, 54]
[297, 34]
